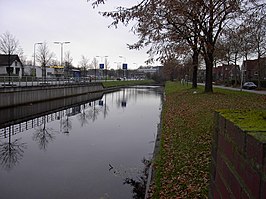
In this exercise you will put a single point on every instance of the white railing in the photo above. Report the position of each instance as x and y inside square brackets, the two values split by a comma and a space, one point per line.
[15, 81]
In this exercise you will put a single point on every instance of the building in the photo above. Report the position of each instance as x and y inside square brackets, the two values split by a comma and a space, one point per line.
[254, 69]
[226, 73]
[12, 63]
[40, 72]
[144, 71]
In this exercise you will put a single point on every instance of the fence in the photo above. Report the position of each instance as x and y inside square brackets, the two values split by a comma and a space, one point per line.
[15, 81]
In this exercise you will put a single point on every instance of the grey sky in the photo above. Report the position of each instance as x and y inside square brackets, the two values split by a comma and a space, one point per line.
[32, 21]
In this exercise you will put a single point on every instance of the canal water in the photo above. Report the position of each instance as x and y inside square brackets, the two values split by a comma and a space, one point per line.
[95, 149]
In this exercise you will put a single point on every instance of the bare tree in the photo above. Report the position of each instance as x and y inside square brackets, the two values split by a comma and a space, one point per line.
[44, 57]
[84, 64]
[68, 63]
[257, 24]
[8, 45]
[94, 65]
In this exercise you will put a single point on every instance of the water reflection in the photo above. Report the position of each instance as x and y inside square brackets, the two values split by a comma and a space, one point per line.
[43, 135]
[135, 177]
[11, 152]
[65, 123]
[139, 183]
[99, 157]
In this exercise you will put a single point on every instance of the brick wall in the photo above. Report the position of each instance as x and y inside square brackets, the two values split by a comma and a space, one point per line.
[238, 164]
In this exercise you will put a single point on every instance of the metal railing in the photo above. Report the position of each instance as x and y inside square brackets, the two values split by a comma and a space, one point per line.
[16, 81]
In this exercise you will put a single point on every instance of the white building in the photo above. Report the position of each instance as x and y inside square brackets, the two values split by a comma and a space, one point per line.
[12, 63]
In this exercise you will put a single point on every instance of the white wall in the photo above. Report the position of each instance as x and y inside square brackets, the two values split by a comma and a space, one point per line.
[48, 71]
[14, 66]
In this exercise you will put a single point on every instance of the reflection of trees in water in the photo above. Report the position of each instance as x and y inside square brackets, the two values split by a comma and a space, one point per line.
[82, 117]
[89, 112]
[11, 152]
[43, 135]
[65, 123]
[137, 180]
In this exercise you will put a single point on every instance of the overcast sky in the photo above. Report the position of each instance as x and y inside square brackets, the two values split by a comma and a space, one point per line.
[32, 21]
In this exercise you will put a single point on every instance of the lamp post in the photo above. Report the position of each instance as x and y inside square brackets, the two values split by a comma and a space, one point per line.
[61, 43]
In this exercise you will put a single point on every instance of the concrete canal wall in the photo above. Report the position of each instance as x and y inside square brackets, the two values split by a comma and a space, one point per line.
[18, 114]
[23, 95]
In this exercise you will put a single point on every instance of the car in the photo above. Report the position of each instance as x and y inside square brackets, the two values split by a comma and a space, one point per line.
[249, 85]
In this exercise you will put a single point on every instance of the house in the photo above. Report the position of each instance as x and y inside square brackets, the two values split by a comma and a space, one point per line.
[12, 63]
[254, 68]
[226, 73]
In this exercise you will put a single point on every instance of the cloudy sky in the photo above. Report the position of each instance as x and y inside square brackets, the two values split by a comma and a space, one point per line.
[32, 21]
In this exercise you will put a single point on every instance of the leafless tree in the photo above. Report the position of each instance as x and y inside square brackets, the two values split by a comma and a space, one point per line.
[256, 22]
[84, 64]
[68, 63]
[94, 65]
[8, 45]
[44, 57]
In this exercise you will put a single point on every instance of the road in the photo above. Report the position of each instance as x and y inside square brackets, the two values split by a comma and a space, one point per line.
[263, 92]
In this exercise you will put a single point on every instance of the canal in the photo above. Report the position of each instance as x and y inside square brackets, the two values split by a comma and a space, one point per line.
[95, 148]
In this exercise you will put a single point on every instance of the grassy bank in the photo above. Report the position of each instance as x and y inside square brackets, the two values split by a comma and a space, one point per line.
[126, 83]
[182, 165]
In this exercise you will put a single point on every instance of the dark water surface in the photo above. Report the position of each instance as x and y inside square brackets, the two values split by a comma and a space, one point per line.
[94, 149]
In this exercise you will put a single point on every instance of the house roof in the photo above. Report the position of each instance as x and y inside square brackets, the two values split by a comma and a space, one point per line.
[4, 59]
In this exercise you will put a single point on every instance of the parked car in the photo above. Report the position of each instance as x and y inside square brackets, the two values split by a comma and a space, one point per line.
[249, 85]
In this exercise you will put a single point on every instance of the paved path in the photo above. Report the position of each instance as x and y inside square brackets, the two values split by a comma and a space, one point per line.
[237, 89]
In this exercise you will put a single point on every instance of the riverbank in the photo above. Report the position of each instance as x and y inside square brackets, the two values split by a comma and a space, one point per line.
[182, 163]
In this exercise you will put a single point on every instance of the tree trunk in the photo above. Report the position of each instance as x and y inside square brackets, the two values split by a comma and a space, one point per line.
[195, 63]
[259, 68]
[209, 66]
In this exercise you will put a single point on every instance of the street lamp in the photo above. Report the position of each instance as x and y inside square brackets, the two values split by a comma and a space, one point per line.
[61, 43]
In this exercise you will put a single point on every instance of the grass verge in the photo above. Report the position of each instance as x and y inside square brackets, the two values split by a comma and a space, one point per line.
[126, 83]
[182, 165]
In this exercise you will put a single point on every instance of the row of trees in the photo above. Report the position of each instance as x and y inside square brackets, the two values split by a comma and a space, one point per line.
[212, 29]
[9, 45]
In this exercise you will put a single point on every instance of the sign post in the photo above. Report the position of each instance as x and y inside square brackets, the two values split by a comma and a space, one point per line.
[124, 66]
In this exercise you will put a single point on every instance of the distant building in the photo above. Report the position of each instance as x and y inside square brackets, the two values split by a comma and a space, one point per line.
[149, 69]
[254, 68]
[143, 71]
[226, 73]
[16, 67]
[49, 71]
